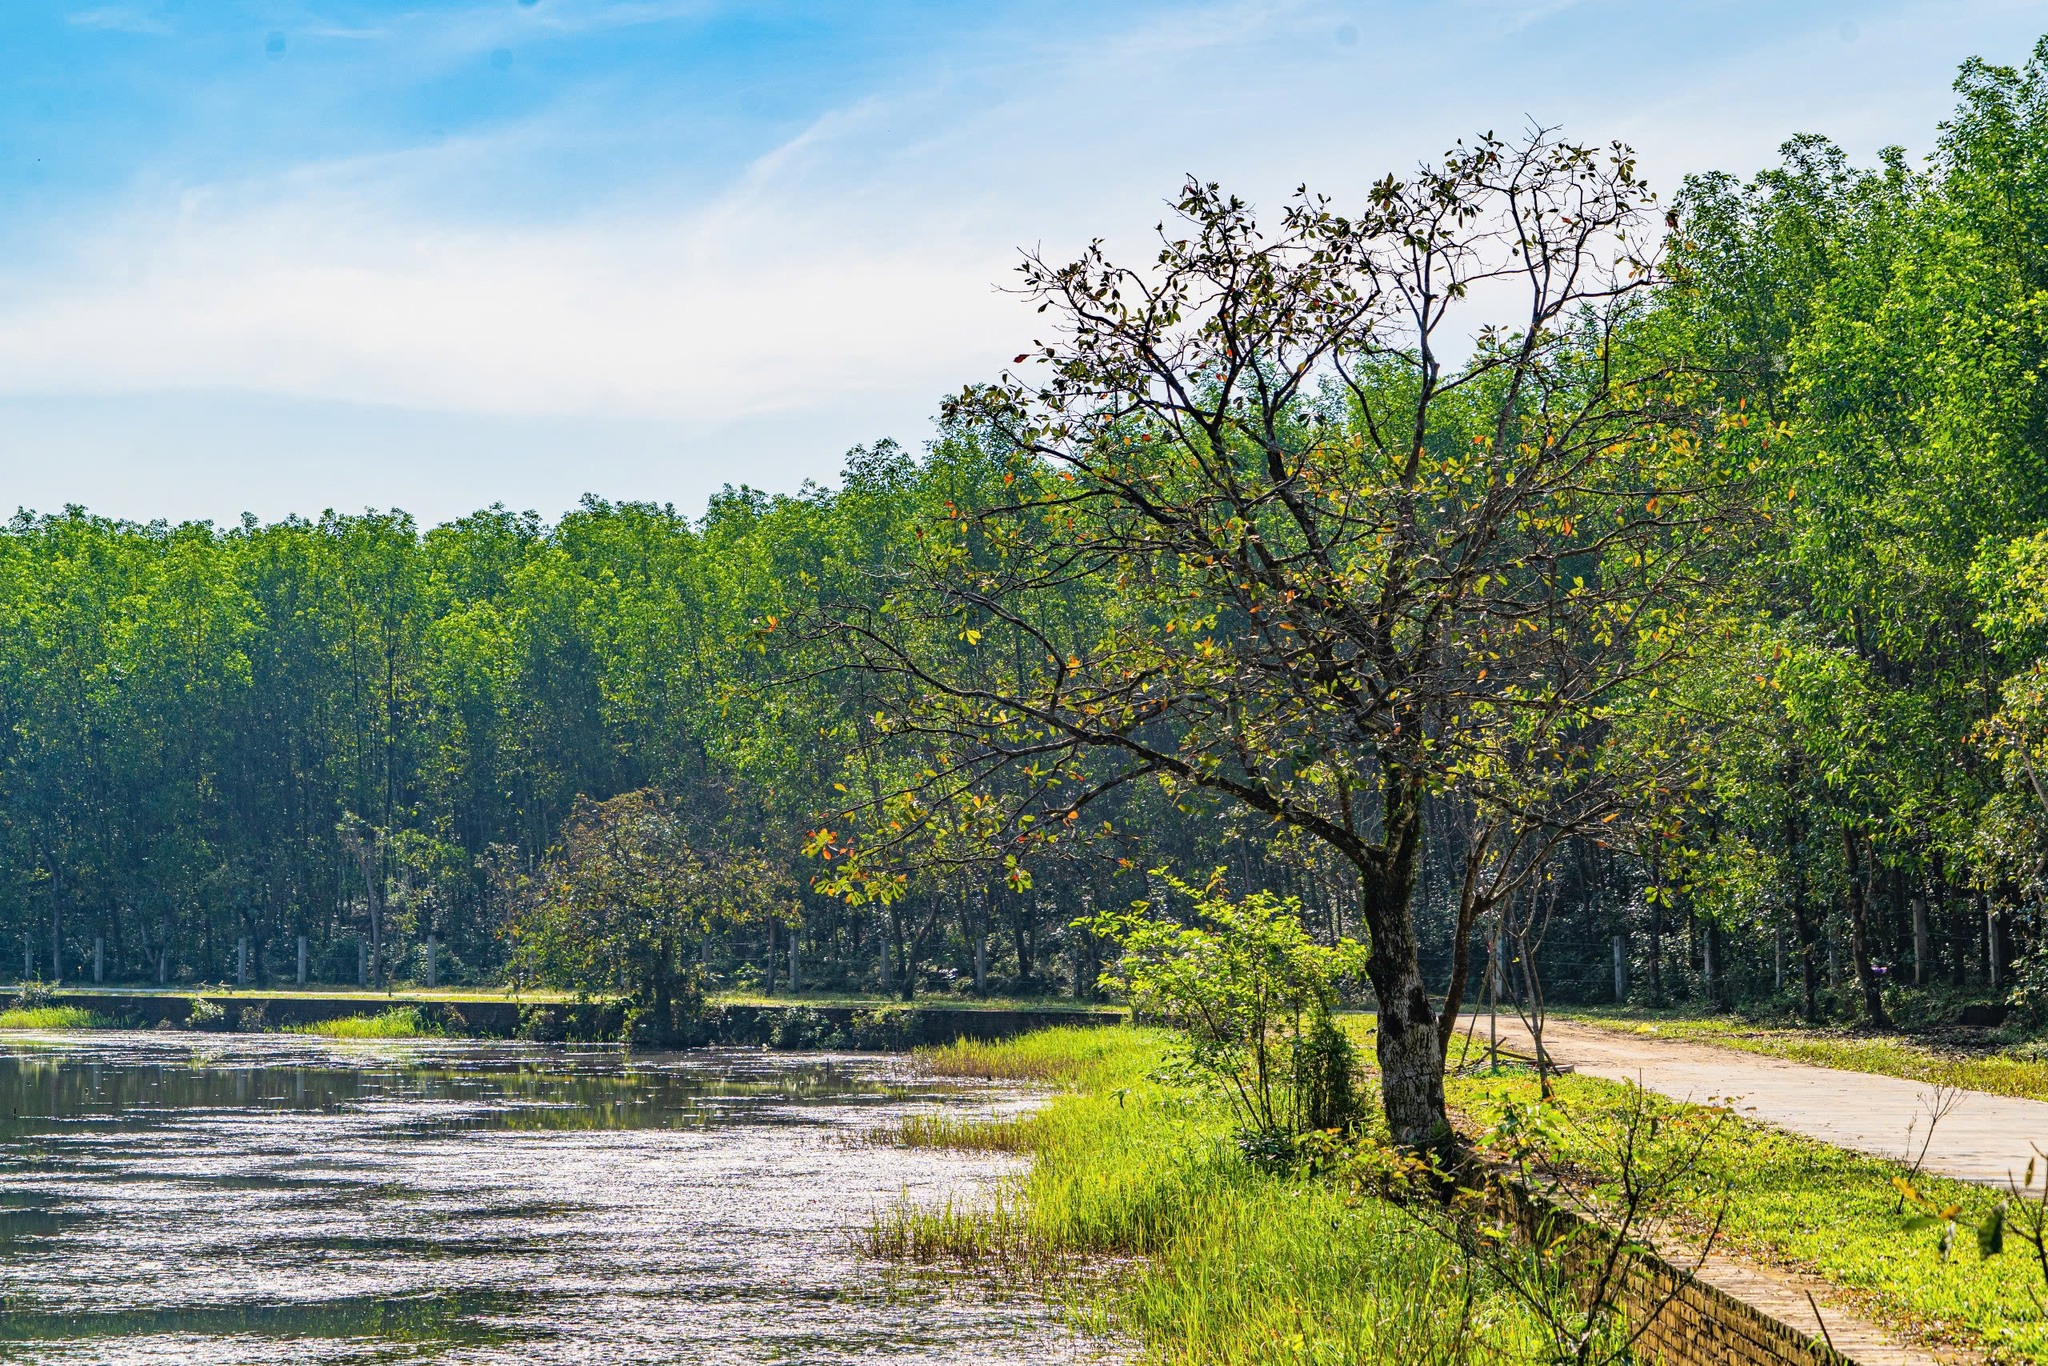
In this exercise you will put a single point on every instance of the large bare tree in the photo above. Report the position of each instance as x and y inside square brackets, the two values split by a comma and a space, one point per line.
[1326, 522]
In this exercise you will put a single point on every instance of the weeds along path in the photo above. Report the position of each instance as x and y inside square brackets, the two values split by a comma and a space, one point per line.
[1984, 1138]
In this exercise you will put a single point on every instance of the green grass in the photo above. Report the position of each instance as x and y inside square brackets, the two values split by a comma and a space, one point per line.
[872, 1001]
[1098, 1057]
[1138, 1211]
[1798, 1202]
[52, 1017]
[399, 1022]
[2020, 1072]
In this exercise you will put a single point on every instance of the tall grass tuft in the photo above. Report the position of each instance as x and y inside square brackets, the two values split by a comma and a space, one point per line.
[1066, 1054]
[997, 1134]
[52, 1017]
[399, 1022]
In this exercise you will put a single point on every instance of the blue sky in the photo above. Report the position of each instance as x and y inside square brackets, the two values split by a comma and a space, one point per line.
[279, 257]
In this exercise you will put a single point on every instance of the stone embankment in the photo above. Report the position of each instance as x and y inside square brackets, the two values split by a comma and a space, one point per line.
[882, 1027]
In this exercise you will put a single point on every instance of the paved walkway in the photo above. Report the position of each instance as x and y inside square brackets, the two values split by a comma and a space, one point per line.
[1983, 1139]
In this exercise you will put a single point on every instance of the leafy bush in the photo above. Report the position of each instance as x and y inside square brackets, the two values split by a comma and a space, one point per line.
[1256, 996]
[622, 907]
[34, 995]
[802, 1027]
[881, 1030]
[206, 1015]
[580, 1022]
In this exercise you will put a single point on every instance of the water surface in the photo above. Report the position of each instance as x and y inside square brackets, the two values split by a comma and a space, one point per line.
[181, 1198]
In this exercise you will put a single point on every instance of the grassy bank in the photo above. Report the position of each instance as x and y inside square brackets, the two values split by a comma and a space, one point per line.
[2016, 1070]
[1793, 1201]
[1138, 1210]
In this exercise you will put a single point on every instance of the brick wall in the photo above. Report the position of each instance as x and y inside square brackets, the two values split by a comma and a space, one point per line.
[1697, 1324]
[1690, 1322]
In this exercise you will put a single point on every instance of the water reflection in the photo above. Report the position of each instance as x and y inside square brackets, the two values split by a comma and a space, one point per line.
[279, 1199]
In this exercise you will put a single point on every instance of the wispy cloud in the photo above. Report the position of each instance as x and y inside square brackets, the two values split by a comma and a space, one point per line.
[119, 19]
[331, 286]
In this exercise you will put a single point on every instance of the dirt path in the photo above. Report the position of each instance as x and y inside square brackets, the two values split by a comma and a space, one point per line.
[1982, 1139]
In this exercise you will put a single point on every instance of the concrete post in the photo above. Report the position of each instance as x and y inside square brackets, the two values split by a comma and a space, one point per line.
[302, 960]
[1991, 944]
[433, 965]
[362, 963]
[795, 982]
[1620, 969]
[1923, 942]
[99, 959]
[1708, 974]
[242, 961]
[28, 958]
[1778, 959]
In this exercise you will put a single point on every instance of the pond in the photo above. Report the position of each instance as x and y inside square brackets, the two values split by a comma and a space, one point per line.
[182, 1198]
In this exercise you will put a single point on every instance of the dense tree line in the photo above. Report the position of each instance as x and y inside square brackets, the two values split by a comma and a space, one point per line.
[1685, 635]
[217, 741]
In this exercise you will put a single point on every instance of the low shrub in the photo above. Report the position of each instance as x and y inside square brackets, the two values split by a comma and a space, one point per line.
[1255, 998]
[35, 995]
[578, 1022]
[881, 1030]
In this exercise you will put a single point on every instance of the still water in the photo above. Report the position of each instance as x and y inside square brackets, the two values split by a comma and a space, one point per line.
[279, 1199]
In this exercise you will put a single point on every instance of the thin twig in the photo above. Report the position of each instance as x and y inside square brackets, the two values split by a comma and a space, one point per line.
[1826, 1336]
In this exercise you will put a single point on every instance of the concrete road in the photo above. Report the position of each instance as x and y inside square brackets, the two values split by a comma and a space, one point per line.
[1983, 1139]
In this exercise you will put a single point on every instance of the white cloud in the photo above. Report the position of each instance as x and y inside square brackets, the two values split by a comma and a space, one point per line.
[329, 285]
[118, 19]
[723, 311]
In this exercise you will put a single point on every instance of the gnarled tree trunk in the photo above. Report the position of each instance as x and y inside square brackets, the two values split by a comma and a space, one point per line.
[1410, 1047]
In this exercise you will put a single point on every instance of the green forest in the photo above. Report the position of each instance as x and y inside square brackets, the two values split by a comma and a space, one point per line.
[1678, 625]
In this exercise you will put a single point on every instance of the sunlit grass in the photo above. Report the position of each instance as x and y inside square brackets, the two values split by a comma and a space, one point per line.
[1113, 1056]
[997, 1134]
[400, 1022]
[52, 1017]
